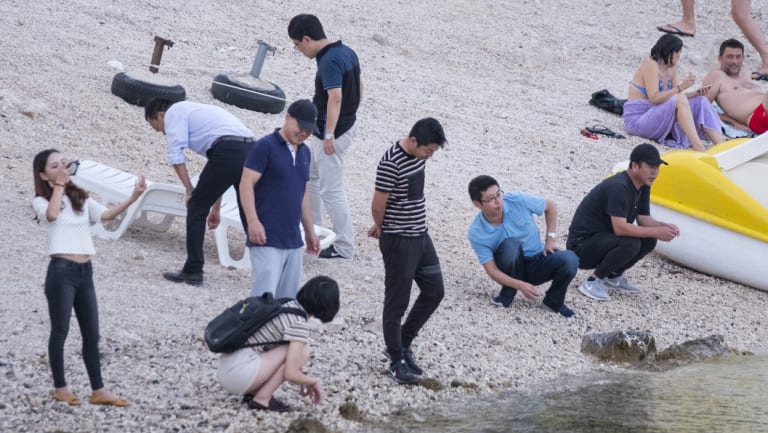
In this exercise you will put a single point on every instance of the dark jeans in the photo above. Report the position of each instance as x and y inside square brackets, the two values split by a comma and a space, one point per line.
[223, 169]
[560, 267]
[408, 259]
[70, 285]
[609, 254]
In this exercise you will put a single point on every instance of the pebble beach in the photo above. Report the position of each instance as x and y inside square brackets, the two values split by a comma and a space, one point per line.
[509, 81]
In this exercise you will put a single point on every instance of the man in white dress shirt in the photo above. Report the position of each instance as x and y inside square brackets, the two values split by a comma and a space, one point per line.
[225, 141]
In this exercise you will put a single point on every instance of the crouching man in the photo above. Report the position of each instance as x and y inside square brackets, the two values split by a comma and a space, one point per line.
[508, 244]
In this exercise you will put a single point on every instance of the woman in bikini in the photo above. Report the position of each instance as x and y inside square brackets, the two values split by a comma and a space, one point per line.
[658, 107]
[68, 212]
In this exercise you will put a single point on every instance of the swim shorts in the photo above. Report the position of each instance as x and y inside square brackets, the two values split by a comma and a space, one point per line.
[759, 121]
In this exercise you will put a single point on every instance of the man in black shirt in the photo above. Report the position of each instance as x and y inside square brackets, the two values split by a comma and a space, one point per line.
[603, 233]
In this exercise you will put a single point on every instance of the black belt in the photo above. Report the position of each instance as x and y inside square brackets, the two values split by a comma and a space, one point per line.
[231, 138]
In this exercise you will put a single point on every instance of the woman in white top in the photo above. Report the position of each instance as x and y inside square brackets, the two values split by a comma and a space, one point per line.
[257, 372]
[69, 213]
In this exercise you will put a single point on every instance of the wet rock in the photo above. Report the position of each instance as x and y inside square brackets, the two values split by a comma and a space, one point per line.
[456, 383]
[430, 383]
[695, 350]
[307, 425]
[351, 412]
[620, 346]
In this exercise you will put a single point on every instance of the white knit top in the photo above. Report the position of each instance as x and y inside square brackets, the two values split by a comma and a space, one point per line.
[70, 233]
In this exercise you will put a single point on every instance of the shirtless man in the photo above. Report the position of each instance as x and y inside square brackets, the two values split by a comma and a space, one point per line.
[743, 101]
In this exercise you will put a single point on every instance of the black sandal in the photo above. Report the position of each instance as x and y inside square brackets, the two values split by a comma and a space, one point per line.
[599, 129]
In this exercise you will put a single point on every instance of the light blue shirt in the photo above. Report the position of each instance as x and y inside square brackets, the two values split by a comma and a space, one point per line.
[517, 223]
[196, 126]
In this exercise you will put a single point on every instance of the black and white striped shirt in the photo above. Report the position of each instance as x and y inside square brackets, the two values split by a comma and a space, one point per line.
[402, 177]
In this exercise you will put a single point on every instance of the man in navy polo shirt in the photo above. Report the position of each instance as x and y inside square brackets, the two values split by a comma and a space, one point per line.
[338, 89]
[273, 190]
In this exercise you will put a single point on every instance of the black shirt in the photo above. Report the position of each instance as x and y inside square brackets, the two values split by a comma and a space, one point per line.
[615, 196]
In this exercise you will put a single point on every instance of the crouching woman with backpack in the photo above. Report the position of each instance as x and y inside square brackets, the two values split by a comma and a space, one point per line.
[256, 372]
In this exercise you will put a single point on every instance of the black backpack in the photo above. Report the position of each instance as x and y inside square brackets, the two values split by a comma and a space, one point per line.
[230, 330]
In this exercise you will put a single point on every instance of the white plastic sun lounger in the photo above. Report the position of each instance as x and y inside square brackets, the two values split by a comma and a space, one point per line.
[115, 186]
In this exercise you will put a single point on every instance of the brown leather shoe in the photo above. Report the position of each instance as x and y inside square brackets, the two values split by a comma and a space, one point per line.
[109, 401]
[71, 400]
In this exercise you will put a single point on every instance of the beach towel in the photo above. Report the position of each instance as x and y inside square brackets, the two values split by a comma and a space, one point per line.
[658, 122]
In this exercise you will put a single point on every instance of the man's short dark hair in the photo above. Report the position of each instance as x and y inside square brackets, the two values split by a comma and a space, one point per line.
[320, 298]
[305, 25]
[731, 43]
[480, 184]
[427, 131]
[665, 47]
[154, 106]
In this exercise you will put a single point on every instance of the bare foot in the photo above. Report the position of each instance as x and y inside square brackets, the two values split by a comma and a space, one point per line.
[679, 28]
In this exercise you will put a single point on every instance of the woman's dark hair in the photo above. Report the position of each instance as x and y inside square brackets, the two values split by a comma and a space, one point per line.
[320, 298]
[76, 194]
[665, 47]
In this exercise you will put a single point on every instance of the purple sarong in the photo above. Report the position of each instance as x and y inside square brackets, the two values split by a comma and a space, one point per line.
[658, 122]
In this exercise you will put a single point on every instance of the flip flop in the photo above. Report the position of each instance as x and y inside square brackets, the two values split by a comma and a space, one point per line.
[674, 31]
[757, 75]
[599, 129]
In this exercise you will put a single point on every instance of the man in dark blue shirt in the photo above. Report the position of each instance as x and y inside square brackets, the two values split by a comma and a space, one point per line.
[338, 89]
[273, 190]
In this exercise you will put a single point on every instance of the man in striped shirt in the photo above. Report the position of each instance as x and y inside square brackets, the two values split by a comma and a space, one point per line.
[400, 224]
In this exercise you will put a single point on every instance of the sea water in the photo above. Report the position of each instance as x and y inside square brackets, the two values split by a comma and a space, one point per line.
[729, 395]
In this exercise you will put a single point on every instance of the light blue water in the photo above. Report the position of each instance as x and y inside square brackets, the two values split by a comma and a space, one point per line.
[722, 396]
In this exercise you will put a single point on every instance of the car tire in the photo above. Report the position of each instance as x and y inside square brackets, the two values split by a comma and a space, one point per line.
[139, 92]
[245, 91]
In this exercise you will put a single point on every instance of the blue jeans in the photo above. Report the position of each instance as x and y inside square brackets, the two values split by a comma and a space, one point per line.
[560, 267]
[69, 285]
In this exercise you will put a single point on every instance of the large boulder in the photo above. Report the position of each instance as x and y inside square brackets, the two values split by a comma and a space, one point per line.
[620, 346]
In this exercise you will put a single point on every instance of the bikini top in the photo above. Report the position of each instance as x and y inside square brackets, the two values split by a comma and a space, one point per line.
[644, 91]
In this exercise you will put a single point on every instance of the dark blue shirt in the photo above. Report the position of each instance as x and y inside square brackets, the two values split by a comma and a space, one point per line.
[337, 67]
[280, 190]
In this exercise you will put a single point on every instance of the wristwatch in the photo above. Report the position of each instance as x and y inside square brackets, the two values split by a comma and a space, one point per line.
[329, 136]
[552, 235]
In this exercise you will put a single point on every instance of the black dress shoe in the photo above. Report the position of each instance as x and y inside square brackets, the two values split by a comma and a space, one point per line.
[195, 279]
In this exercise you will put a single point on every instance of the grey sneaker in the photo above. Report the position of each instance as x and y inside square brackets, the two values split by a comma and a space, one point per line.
[594, 289]
[621, 283]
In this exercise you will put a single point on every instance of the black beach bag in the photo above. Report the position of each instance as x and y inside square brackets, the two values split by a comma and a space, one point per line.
[604, 100]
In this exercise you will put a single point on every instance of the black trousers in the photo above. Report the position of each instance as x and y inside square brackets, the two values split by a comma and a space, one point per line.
[223, 169]
[408, 259]
[69, 285]
[609, 254]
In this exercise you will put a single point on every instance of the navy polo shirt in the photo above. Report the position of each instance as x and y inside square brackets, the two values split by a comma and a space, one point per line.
[280, 189]
[337, 67]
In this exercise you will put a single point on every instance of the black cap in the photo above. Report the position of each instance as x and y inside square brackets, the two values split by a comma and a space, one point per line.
[305, 113]
[646, 153]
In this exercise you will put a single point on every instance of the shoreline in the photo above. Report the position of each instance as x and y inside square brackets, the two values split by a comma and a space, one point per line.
[510, 84]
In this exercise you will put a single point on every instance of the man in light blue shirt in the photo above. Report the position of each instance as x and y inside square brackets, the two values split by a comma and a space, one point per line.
[224, 140]
[507, 242]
